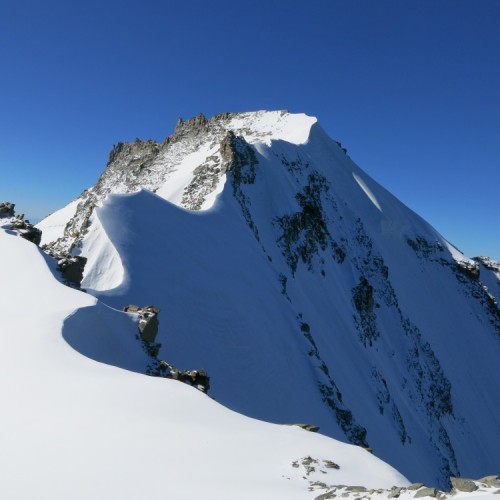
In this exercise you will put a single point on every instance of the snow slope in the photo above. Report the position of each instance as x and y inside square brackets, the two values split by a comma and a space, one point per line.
[54, 224]
[308, 292]
[75, 428]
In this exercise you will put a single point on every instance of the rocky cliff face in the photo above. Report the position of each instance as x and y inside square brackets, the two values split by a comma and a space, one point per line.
[309, 294]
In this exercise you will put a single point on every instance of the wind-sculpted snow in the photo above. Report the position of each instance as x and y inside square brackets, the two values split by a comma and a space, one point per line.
[76, 428]
[307, 291]
[104, 267]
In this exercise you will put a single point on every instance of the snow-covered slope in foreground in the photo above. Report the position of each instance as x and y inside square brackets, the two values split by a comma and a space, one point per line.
[308, 292]
[72, 428]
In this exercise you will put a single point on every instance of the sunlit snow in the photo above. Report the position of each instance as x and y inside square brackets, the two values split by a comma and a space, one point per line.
[232, 303]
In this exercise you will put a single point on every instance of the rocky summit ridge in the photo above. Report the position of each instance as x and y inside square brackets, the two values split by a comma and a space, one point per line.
[149, 165]
[307, 291]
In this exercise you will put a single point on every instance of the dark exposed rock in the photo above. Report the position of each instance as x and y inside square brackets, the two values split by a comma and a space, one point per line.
[414, 486]
[331, 394]
[469, 269]
[421, 491]
[148, 321]
[309, 464]
[331, 465]
[308, 427]
[387, 403]
[148, 330]
[309, 460]
[27, 231]
[326, 496]
[195, 125]
[492, 481]
[428, 382]
[228, 148]
[239, 159]
[132, 308]
[197, 378]
[18, 224]
[426, 492]
[205, 180]
[395, 492]
[425, 248]
[76, 228]
[7, 209]
[362, 296]
[71, 268]
[304, 234]
[356, 489]
[488, 263]
[467, 272]
[461, 484]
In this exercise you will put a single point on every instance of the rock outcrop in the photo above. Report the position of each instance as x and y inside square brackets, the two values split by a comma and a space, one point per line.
[308, 427]
[148, 330]
[7, 209]
[148, 321]
[310, 467]
[18, 224]
[195, 378]
[70, 267]
[461, 484]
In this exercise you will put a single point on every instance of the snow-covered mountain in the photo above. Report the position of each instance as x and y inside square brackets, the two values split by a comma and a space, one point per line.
[72, 428]
[306, 290]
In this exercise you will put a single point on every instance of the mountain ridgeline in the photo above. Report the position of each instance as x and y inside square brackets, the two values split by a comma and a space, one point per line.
[306, 290]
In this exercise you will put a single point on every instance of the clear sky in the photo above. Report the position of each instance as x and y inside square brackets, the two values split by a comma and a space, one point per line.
[410, 87]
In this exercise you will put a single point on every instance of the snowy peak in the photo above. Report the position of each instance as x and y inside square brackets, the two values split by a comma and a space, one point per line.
[308, 291]
[185, 168]
[257, 126]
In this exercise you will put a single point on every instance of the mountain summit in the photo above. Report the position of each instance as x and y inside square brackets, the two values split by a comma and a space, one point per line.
[308, 292]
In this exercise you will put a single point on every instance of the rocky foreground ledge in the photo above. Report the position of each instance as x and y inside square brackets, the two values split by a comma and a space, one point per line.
[461, 487]
[69, 266]
[17, 224]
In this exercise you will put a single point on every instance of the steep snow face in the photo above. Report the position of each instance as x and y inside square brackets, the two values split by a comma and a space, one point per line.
[105, 270]
[81, 429]
[308, 292]
[54, 224]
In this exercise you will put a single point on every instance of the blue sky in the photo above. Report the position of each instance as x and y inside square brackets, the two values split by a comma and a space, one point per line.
[411, 88]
